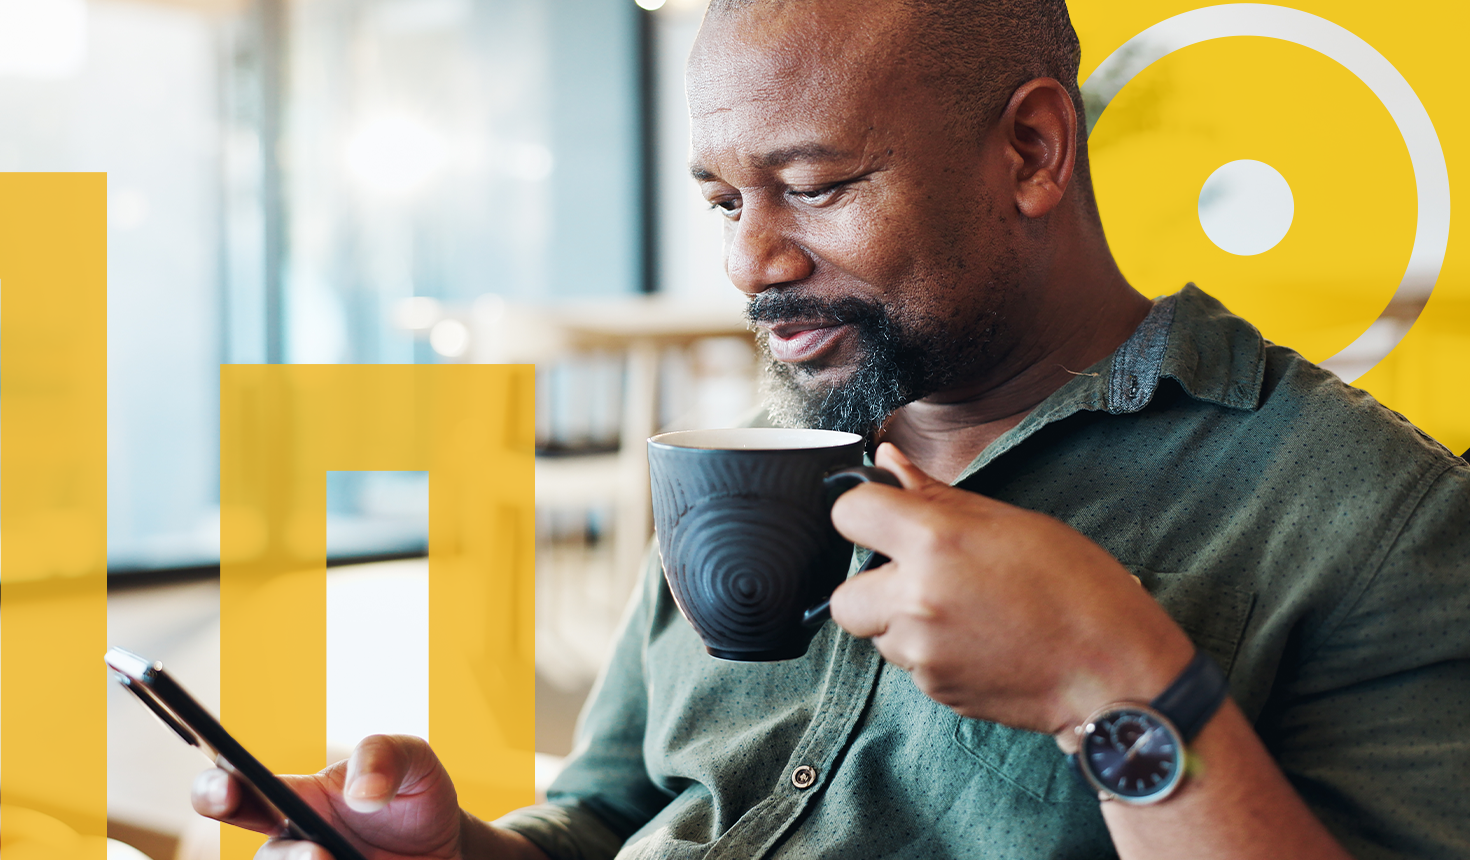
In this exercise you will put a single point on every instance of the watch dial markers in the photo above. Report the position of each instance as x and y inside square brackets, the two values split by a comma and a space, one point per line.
[1132, 753]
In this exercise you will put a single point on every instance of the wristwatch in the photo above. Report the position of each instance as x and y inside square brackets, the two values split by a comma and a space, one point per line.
[1136, 753]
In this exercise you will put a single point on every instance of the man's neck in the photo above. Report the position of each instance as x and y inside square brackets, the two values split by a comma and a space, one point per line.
[944, 432]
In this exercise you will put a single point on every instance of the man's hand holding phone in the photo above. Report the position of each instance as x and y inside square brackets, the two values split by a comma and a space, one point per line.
[392, 798]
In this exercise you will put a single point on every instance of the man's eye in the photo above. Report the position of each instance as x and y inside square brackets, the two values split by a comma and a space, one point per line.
[730, 208]
[816, 195]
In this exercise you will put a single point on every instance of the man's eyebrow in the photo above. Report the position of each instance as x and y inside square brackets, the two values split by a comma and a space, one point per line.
[778, 158]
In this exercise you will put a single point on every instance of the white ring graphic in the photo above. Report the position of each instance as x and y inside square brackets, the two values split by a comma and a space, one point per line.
[1431, 176]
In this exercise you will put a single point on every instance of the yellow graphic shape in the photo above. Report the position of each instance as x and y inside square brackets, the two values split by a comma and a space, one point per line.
[1299, 111]
[471, 427]
[53, 514]
[1203, 106]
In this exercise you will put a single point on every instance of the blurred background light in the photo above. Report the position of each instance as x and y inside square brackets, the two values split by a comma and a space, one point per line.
[450, 338]
[419, 16]
[43, 38]
[395, 154]
[127, 208]
[418, 313]
[530, 162]
[650, 5]
[488, 309]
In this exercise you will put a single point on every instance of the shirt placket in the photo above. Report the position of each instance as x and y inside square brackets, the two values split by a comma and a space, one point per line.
[851, 679]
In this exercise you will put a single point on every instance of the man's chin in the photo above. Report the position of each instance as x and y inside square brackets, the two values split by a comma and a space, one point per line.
[852, 387]
[799, 395]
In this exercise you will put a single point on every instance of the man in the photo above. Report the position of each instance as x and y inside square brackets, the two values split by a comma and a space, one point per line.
[908, 207]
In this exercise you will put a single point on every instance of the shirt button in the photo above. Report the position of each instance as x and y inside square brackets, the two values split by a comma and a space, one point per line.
[804, 776]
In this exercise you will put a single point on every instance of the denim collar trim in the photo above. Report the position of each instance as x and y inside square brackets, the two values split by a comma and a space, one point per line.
[1213, 354]
[1191, 338]
[1134, 376]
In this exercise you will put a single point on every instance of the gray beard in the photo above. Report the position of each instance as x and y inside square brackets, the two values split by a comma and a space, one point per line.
[898, 365]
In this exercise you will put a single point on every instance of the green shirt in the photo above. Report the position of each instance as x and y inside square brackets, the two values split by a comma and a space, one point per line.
[1314, 543]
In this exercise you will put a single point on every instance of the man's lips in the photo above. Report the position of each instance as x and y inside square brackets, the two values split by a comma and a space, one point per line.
[803, 341]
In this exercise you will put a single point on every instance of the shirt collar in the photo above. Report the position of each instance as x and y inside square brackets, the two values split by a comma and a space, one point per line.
[1189, 337]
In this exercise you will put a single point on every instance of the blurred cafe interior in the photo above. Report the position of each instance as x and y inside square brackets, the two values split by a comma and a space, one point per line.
[377, 181]
[417, 182]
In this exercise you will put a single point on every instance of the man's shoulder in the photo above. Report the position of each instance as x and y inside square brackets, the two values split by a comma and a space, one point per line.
[1279, 402]
[1344, 427]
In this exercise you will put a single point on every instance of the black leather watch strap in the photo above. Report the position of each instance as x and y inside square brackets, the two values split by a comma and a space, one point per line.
[1194, 696]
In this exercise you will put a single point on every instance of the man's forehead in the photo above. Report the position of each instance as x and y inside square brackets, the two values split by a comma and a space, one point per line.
[769, 51]
[755, 139]
[792, 82]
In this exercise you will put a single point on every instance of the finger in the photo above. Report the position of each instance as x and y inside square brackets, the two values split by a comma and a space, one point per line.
[292, 849]
[213, 796]
[377, 769]
[216, 794]
[889, 457]
[864, 605]
[383, 767]
[888, 519]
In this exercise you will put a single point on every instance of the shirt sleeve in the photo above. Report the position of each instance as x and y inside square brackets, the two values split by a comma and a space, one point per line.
[604, 795]
[1374, 735]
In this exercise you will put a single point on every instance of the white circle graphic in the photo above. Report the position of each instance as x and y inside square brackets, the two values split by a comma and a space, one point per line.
[1426, 154]
[1246, 207]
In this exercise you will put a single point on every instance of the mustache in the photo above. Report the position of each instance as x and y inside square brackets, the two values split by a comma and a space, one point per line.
[780, 306]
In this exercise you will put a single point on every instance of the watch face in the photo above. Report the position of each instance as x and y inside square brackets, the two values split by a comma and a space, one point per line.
[1133, 754]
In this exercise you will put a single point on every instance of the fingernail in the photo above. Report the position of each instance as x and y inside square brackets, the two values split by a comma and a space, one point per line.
[219, 789]
[367, 793]
[304, 851]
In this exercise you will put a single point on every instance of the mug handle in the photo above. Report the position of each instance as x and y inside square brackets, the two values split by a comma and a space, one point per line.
[838, 483]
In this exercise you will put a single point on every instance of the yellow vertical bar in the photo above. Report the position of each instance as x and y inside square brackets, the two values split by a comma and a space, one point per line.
[272, 578]
[53, 510]
[482, 569]
[282, 428]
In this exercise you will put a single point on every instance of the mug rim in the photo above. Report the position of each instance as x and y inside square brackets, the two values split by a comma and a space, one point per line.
[755, 439]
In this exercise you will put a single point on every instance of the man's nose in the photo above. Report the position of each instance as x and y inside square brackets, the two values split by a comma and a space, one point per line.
[760, 252]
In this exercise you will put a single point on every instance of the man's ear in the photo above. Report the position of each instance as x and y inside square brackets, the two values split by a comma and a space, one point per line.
[1040, 130]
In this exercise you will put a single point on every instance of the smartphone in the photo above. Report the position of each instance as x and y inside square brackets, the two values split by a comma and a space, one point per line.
[189, 720]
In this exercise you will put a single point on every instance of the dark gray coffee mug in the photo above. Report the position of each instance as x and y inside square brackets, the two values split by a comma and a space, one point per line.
[745, 531]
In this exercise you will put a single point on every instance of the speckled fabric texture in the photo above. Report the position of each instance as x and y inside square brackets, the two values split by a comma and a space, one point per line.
[1313, 542]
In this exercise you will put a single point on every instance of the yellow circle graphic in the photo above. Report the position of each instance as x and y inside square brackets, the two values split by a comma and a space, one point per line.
[1370, 192]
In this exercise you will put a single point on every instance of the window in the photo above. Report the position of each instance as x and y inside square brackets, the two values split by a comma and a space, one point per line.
[283, 175]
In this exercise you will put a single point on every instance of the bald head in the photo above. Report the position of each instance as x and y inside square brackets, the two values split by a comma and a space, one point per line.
[976, 52]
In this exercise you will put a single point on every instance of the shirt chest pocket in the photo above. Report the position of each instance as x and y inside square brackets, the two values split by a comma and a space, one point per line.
[1031, 762]
[1214, 616]
[1215, 619]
